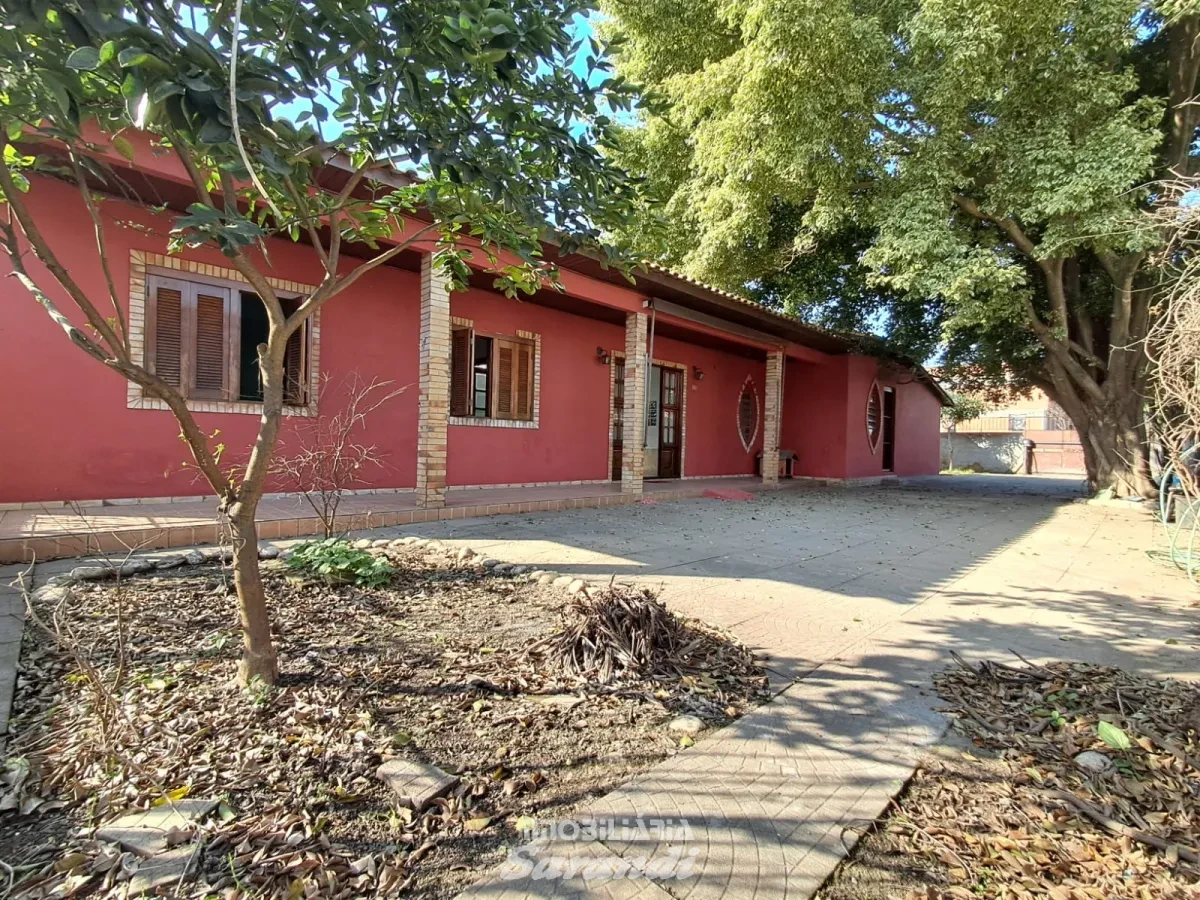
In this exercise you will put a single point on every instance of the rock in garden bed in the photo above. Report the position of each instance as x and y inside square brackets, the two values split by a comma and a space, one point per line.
[1068, 781]
[445, 668]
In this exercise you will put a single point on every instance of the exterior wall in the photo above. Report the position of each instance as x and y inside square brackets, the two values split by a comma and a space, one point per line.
[1003, 452]
[570, 442]
[712, 445]
[825, 420]
[69, 434]
[814, 417]
[918, 415]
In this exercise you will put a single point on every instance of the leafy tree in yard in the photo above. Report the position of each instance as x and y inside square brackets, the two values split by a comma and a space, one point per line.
[477, 95]
[970, 173]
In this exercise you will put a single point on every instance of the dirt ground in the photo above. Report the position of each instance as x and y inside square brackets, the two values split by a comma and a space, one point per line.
[1067, 781]
[434, 667]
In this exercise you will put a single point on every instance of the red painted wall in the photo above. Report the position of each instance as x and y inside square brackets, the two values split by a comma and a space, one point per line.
[69, 434]
[918, 419]
[571, 442]
[712, 445]
[814, 416]
[917, 415]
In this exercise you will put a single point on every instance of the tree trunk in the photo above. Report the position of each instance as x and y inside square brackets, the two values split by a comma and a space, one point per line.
[258, 650]
[1113, 436]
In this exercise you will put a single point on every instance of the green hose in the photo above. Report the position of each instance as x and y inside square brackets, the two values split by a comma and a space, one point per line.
[1185, 559]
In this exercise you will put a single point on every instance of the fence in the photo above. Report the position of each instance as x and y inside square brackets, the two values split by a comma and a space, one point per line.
[991, 442]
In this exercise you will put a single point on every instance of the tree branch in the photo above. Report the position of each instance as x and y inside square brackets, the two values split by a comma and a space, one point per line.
[42, 251]
[101, 246]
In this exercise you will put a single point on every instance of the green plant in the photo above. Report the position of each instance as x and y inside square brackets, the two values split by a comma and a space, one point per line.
[335, 561]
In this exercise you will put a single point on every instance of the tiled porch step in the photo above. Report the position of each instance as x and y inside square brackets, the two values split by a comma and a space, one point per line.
[86, 541]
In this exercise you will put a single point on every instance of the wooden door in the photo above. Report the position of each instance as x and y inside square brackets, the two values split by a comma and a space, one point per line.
[889, 429]
[618, 416]
[670, 424]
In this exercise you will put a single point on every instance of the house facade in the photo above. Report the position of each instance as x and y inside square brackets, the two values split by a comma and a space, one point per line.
[604, 381]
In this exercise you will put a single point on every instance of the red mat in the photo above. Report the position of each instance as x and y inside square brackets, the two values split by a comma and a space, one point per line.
[728, 494]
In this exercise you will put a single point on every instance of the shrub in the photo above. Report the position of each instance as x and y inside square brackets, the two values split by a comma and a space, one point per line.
[335, 561]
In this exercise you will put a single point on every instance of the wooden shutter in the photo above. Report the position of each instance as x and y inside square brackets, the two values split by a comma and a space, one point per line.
[212, 347]
[164, 329]
[295, 367]
[523, 386]
[503, 353]
[512, 379]
[462, 366]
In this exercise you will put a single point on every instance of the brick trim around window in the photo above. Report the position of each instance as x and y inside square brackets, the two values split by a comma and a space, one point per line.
[479, 422]
[140, 264]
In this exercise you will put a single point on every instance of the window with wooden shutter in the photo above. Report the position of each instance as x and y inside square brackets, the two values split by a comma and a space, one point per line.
[295, 358]
[491, 377]
[513, 366]
[295, 368]
[211, 363]
[503, 356]
[462, 362]
[164, 329]
[202, 337]
[523, 383]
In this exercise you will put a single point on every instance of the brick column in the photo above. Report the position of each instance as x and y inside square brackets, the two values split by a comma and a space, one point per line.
[633, 448]
[434, 404]
[772, 417]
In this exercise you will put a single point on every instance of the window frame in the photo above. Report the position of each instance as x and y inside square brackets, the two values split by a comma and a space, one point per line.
[147, 270]
[494, 418]
[874, 393]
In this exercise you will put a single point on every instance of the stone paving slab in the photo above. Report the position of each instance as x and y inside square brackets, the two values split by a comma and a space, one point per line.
[415, 783]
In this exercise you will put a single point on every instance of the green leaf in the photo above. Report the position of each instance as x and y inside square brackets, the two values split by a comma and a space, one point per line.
[123, 146]
[85, 59]
[1113, 736]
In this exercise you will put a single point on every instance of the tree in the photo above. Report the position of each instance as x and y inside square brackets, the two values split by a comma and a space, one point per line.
[984, 164]
[259, 101]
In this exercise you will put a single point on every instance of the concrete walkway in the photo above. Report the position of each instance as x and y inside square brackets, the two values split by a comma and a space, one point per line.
[858, 596]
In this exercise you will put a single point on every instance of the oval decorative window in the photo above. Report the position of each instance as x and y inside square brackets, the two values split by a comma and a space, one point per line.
[874, 416]
[748, 414]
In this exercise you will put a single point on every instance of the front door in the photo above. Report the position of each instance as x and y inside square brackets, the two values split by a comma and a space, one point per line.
[664, 422]
[889, 429]
[670, 419]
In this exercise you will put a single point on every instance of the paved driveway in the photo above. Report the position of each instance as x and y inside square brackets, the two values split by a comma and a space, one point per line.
[857, 595]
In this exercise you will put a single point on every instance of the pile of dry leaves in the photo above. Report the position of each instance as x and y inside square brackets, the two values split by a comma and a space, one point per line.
[434, 667]
[1084, 784]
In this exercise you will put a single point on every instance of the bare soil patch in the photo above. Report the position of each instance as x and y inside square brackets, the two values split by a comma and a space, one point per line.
[1012, 809]
[435, 667]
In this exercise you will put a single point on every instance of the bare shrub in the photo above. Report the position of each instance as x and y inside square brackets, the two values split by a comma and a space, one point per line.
[327, 455]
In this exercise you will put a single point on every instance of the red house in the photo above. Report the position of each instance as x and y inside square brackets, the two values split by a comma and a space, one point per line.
[542, 391]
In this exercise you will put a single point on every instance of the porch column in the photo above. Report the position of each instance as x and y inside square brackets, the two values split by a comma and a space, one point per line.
[633, 448]
[772, 417]
[434, 404]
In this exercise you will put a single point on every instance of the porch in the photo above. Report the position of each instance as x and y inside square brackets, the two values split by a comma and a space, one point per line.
[80, 529]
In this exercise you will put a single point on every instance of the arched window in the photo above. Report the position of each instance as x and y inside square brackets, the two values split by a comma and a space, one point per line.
[874, 416]
[747, 414]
